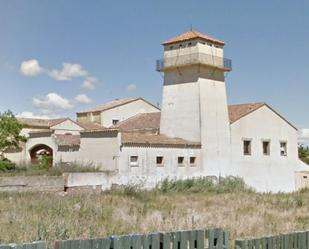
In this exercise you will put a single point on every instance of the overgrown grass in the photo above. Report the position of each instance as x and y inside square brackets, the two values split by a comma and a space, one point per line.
[204, 184]
[45, 169]
[171, 206]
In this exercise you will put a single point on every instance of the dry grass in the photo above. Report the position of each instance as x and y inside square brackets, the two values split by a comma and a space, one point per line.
[50, 216]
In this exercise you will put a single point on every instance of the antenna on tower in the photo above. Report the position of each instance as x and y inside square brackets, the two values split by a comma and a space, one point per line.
[191, 28]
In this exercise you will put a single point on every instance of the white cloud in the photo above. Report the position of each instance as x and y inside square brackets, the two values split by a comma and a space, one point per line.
[68, 72]
[131, 87]
[31, 68]
[32, 115]
[83, 99]
[51, 103]
[89, 83]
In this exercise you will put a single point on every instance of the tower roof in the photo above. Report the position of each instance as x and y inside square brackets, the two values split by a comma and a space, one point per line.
[190, 35]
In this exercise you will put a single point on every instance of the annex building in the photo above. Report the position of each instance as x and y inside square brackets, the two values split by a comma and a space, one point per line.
[195, 133]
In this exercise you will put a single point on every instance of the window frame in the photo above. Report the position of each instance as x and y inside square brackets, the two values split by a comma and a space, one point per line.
[285, 148]
[115, 121]
[268, 147]
[134, 164]
[244, 140]
[194, 162]
[162, 162]
[182, 163]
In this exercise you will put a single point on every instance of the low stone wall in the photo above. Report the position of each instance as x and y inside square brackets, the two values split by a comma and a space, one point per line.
[31, 183]
[91, 180]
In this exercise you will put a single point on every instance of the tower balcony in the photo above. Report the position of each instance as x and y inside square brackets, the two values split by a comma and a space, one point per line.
[194, 59]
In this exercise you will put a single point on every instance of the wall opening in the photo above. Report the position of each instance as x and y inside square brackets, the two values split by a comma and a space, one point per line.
[39, 151]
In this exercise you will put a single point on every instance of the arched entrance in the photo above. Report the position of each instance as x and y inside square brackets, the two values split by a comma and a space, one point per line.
[39, 151]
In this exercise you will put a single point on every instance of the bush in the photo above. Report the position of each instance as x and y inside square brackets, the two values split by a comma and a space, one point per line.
[6, 165]
[203, 184]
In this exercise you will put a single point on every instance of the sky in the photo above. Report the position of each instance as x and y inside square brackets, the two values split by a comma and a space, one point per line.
[59, 57]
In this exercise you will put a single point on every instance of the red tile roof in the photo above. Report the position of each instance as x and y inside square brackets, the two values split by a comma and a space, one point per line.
[190, 35]
[146, 139]
[142, 122]
[41, 123]
[238, 111]
[113, 104]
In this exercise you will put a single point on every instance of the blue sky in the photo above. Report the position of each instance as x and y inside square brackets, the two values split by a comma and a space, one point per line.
[114, 45]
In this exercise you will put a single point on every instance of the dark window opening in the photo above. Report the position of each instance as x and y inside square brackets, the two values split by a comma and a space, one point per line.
[283, 149]
[192, 160]
[247, 147]
[159, 160]
[115, 121]
[181, 160]
[266, 148]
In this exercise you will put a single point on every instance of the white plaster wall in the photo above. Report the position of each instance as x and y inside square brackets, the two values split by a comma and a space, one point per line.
[126, 111]
[215, 127]
[16, 157]
[99, 149]
[68, 126]
[265, 173]
[90, 179]
[148, 173]
[180, 115]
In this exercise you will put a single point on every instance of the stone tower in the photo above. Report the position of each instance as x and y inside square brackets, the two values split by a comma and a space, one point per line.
[194, 102]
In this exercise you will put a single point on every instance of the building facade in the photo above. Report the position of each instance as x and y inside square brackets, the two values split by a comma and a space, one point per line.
[195, 134]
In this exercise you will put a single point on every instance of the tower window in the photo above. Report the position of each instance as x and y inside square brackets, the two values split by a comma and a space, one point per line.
[180, 160]
[283, 149]
[134, 161]
[159, 161]
[247, 147]
[266, 148]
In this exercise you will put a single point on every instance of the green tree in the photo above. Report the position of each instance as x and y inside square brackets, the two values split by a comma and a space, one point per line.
[303, 153]
[10, 129]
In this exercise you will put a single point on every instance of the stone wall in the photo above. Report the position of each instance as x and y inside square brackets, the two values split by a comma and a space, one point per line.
[31, 183]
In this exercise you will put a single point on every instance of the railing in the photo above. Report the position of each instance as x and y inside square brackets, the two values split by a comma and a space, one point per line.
[194, 58]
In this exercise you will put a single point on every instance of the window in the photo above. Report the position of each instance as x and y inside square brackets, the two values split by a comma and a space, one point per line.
[283, 148]
[115, 121]
[171, 47]
[134, 161]
[190, 43]
[159, 161]
[192, 161]
[247, 147]
[181, 160]
[266, 148]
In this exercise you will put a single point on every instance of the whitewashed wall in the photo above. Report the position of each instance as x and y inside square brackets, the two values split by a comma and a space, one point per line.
[67, 126]
[265, 173]
[126, 111]
[148, 173]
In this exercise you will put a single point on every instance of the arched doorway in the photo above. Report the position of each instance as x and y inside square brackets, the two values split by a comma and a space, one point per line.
[39, 151]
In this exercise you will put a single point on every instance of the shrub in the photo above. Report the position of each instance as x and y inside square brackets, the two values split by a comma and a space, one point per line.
[6, 165]
[203, 184]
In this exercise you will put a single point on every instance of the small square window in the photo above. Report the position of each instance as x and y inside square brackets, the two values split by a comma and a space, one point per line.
[192, 161]
[283, 149]
[181, 160]
[266, 148]
[247, 147]
[159, 160]
[134, 161]
[115, 121]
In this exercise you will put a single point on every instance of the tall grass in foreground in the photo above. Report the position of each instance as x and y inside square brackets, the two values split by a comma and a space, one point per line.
[172, 205]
